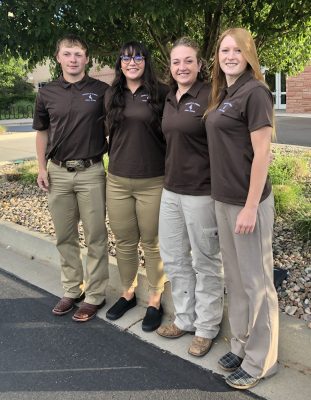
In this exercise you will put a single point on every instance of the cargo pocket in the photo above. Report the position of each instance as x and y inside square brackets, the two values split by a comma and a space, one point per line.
[211, 240]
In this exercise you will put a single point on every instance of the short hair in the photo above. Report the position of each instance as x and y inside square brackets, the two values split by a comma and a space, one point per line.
[72, 40]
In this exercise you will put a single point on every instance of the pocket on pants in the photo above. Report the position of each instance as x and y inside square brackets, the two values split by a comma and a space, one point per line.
[211, 240]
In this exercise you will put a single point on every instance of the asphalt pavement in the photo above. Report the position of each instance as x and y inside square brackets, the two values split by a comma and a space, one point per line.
[289, 130]
[49, 357]
[293, 130]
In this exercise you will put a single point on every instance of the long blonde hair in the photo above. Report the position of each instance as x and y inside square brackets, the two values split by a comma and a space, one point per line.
[245, 42]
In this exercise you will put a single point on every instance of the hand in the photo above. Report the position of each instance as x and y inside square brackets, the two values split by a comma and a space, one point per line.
[246, 220]
[43, 180]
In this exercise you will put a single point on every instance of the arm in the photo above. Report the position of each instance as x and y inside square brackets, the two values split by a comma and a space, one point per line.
[41, 144]
[246, 219]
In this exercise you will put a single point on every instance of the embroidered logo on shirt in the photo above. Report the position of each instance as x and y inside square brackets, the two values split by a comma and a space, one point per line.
[144, 97]
[191, 107]
[90, 97]
[224, 106]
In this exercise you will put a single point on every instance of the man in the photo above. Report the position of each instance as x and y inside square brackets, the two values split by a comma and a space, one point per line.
[69, 119]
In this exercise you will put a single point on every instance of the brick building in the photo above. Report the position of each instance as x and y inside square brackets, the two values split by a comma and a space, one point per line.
[298, 92]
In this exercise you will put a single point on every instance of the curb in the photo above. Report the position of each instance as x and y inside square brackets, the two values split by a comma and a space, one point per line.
[295, 337]
[42, 248]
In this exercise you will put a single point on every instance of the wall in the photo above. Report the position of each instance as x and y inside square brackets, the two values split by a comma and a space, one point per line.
[298, 92]
[41, 73]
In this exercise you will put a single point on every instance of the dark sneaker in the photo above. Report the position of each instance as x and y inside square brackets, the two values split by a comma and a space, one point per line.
[240, 379]
[230, 362]
[120, 308]
[152, 319]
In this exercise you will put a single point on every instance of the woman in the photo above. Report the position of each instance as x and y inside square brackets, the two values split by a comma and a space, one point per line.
[239, 128]
[135, 176]
[187, 229]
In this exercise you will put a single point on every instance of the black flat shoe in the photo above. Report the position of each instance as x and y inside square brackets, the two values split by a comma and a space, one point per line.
[120, 308]
[152, 319]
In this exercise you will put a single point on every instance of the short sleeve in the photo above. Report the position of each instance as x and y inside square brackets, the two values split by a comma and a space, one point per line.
[41, 118]
[259, 108]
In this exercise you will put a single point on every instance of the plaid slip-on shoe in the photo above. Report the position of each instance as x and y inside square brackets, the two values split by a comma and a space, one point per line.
[230, 362]
[240, 379]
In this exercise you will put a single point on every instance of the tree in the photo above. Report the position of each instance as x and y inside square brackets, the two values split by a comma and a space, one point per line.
[281, 28]
[13, 85]
[11, 69]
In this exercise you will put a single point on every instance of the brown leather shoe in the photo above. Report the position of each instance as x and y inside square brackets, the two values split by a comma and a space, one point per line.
[87, 311]
[200, 346]
[64, 305]
[171, 331]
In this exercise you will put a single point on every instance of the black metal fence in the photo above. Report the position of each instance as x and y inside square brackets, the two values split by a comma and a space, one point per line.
[16, 112]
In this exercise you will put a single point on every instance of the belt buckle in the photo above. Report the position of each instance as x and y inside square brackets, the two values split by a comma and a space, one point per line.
[75, 165]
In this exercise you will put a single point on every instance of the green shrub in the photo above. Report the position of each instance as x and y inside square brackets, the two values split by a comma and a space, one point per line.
[21, 90]
[302, 223]
[285, 169]
[28, 171]
[286, 197]
[2, 129]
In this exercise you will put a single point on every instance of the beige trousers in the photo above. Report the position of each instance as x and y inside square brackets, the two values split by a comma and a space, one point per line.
[74, 196]
[190, 252]
[253, 304]
[133, 210]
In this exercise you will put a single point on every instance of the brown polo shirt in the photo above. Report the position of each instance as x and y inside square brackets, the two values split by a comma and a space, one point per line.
[137, 147]
[187, 168]
[73, 114]
[246, 106]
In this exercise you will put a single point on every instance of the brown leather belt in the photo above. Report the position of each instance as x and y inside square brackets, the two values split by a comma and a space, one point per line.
[77, 165]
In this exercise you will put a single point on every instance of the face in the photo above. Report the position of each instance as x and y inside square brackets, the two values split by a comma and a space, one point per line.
[231, 60]
[184, 65]
[133, 69]
[73, 61]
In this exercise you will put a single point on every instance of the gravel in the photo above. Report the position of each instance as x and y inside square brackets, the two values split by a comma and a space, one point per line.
[26, 205]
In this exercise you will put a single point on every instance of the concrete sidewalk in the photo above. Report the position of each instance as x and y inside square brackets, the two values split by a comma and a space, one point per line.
[20, 121]
[33, 257]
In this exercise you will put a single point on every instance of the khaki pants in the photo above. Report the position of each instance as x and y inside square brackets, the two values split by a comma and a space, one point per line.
[133, 210]
[74, 196]
[190, 251]
[253, 304]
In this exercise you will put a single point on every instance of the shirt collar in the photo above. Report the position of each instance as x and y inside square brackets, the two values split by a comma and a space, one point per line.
[141, 88]
[248, 75]
[193, 91]
[79, 85]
